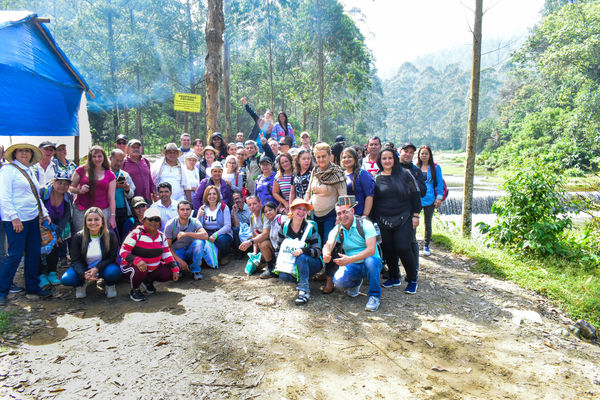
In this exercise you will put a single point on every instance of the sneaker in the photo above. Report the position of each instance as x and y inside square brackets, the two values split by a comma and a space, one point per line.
[111, 291]
[266, 274]
[302, 298]
[197, 276]
[426, 251]
[353, 292]
[80, 291]
[411, 288]
[44, 282]
[372, 304]
[391, 282]
[53, 278]
[15, 289]
[148, 287]
[136, 295]
[37, 295]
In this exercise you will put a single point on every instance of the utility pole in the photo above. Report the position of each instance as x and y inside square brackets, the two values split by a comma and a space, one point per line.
[467, 211]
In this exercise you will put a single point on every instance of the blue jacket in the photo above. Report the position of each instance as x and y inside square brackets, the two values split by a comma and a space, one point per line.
[430, 196]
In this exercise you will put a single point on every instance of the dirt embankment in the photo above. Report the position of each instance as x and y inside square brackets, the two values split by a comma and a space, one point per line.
[463, 336]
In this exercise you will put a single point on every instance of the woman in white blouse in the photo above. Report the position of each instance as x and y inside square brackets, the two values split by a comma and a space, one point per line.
[21, 207]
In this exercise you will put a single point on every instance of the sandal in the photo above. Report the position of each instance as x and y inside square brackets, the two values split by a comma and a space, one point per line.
[302, 298]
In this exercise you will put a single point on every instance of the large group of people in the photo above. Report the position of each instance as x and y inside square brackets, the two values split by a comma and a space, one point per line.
[337, 213]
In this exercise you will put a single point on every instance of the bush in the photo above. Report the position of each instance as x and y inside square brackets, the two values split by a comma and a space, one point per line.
[532, 215]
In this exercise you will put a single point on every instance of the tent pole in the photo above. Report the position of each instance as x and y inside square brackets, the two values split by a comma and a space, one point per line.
[76, 145]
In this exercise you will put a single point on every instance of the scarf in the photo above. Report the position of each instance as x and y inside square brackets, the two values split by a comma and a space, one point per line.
[332, 175]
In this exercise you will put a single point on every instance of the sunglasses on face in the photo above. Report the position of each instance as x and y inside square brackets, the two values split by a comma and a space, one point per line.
[140, 206]
[121, 142]
[154, 219]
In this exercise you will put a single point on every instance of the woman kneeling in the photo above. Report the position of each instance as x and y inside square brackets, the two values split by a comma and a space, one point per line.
[146, 256]
[299, 247]
[93, 253]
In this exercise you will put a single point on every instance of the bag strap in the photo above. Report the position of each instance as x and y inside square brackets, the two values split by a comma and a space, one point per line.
[359, 226]
[33, 189]
[306, 231]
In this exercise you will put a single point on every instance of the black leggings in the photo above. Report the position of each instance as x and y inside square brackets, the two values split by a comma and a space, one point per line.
[397, 244]
[428, 211]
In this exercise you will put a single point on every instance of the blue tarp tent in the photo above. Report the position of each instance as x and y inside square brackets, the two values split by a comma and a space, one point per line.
[40, 90]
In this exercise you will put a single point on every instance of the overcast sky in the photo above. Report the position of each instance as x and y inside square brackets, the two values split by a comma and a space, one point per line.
[401, 30]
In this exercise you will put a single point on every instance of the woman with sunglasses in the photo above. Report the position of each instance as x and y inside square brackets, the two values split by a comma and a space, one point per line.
[138, 206]
[146, 257]
[308, 258]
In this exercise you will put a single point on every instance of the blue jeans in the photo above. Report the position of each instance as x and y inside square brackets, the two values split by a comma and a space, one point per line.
[111, 275]
[2, 244]
[28, 241]
[223, 243]
[306, 266]
[325, 224]
[352, 274]
[192, 253]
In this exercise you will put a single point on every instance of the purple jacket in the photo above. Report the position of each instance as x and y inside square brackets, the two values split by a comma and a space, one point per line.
[226, 195]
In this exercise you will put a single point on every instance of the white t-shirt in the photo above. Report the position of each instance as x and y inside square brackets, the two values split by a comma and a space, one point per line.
[370, 166]
[210, 215]
[192, 178]
[94, 252]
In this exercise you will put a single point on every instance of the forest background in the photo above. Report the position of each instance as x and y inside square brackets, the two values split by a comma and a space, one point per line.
[540, 100]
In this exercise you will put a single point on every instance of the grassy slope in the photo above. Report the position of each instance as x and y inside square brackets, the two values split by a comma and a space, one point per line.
[575, 290]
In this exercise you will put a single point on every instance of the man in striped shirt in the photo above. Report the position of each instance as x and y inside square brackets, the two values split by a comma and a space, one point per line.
[146, 256]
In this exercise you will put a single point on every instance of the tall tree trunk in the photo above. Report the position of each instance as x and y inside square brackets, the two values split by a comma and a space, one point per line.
[270, 53]
[215, 27]
[320, 73]
[126, 121]
[227, 89]
[112, 69]
[467, 211]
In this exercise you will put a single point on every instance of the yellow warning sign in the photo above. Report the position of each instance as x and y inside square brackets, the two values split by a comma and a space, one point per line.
[188, 102]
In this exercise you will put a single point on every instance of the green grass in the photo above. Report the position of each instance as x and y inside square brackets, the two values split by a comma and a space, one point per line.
[5, 318]
[573, 288]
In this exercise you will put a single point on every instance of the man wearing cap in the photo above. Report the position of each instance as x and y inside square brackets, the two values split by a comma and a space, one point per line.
[138, 167]
[360, 259]
[169, 169]
[165, 204]
[125, 188]
[44, 170]
[146, 258]
[407, 152]
[305, 140]
[121, 143]
[369, 163]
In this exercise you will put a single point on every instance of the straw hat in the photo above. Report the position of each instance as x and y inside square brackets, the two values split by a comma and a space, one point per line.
[171, 146]
[37, 154]
[210, 148]
[301, 202]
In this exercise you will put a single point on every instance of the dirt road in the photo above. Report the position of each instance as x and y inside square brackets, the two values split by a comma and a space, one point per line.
[463, 336]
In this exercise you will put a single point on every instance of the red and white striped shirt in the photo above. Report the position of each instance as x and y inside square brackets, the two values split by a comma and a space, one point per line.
[140, 246]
